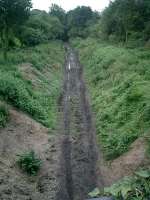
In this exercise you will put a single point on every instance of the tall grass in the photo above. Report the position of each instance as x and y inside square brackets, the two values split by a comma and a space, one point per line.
[119, 81]
[4, 115]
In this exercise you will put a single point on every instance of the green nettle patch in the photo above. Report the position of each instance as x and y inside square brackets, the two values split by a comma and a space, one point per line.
[4, 116]
[130, 188]
[119, 82]
[29, 163]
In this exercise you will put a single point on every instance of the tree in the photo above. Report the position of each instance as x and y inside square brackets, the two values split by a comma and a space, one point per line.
[125, 18]
[58, 12]
[13, 13]
[77, 20]
[40, 28]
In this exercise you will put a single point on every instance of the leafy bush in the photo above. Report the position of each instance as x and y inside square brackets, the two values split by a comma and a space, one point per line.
[31, 37]
[4, 116]
[130, 188]
[29, 163]
[40, 28]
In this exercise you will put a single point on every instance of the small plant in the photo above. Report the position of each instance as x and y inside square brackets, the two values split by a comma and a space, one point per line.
[4, 116]
[29, 163]
[130, 188]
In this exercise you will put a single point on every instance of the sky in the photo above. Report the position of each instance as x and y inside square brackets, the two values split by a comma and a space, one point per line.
[98, 5]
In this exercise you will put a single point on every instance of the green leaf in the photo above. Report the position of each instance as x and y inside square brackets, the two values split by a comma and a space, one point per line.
[113, 190]
[125, 190]
[143, 173]
[94, 193]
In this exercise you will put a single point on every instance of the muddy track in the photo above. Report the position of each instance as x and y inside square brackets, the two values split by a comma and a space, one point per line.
[79, 153]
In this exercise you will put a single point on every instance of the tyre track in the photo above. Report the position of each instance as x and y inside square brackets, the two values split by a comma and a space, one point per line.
[79, 153]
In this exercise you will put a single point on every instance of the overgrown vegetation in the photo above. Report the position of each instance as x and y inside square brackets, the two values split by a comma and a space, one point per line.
[13, 14]
[4, 115]
[130, 188]
[37, 95]
[126, 21]
[41, 28]
[29, 163]
[119, 81]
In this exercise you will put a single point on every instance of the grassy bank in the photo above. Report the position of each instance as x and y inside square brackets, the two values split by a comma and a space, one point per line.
[31, 80]
[119, 82]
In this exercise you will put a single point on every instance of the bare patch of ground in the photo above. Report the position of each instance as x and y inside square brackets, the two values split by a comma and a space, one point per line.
[23, 134]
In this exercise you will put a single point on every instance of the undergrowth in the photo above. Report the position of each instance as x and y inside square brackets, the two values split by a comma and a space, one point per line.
[4, 115]
[29, 163]
[36, 90]
[136, 187]
[119, 82]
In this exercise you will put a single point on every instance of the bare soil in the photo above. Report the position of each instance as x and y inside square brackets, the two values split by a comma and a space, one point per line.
[23, 134]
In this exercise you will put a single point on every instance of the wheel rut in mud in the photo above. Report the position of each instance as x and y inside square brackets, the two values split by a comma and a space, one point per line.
[79, 152]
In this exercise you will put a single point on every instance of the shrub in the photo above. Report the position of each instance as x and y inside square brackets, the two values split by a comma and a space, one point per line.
[29, 163]
[32, 37]
[4, 116]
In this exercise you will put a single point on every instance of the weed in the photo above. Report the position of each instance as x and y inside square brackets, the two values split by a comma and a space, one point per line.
[4, 116]
[29, 163]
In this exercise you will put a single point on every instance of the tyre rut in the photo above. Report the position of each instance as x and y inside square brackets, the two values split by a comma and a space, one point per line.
[78, 163]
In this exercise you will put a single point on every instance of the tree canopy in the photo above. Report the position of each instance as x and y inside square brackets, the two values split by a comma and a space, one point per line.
[13, 13]
[121, 21]
[126, 18]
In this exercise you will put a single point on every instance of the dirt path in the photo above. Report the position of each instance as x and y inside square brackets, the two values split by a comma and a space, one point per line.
[79, 153]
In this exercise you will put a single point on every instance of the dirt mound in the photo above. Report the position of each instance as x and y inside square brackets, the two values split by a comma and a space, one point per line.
[23, 134]
[126, 164]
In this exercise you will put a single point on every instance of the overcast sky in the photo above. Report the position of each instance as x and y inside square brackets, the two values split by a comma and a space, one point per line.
[70, 4]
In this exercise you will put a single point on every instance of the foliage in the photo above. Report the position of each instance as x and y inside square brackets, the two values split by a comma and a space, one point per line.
[41, 27]
[57, 11]
[29, 163]
[13, 13]
[137, 187]
[130, 188]
[15, 91]
[32, 37]
[37, 94]
[95, 193]
[126, 19]
[78, 21]
[4, 115]
[119, 84]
